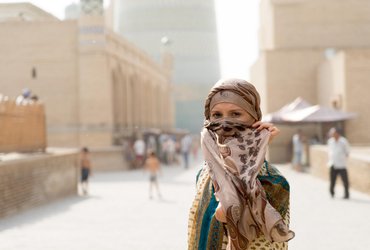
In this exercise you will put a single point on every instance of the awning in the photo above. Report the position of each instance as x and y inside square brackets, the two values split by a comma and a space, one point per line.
[276, 117]
[317, 113]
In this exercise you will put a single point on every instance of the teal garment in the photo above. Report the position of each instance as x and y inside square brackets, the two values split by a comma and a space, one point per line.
[212, 231]
[209, 214]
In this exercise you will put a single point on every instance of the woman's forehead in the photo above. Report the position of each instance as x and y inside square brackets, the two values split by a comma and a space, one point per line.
[226, 106]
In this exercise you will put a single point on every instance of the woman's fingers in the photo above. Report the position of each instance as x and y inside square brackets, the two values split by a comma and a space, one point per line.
[274, 131]
[261, 125]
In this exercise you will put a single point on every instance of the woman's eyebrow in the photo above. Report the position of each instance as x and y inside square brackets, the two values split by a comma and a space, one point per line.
[233, 110]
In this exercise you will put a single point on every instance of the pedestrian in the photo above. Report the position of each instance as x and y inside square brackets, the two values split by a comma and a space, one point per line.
[24, 98]
[298, 148]
[186, 144]
[338, 152]
[128, 153]
[163, 148]
[152, 165]
[242, 202]
[195, 147]
[139, 149]
[85, 164]
[151, 145]
[171, 150]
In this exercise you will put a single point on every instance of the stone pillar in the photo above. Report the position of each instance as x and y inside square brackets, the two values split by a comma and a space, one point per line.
[130, 104]
[125, 102]
[136, 101]
[95, 89]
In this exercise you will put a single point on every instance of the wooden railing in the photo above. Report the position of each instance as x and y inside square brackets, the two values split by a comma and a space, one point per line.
[22, 127]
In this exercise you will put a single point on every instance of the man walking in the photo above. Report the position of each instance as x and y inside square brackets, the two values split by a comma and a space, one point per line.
[186, 143]
[338, 147]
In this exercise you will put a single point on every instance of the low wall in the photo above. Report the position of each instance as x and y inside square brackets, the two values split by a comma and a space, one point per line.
[36, 179]
[358, 166]
[108, 159]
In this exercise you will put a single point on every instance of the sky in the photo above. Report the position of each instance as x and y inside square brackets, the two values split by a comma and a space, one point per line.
[237, 21]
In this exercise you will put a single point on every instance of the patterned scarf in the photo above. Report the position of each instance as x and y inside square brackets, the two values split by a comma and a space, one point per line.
[234, 154]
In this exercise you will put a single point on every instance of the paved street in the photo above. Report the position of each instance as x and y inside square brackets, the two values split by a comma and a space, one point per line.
[119, 215]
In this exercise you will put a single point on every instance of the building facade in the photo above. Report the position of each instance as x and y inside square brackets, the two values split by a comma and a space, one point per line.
[318, 50]
[97, 87]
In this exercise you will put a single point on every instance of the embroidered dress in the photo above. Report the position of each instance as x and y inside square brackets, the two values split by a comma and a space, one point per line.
[234, 154]
[205, 232]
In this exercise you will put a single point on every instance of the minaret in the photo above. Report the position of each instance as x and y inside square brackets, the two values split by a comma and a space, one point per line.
[92, 7]
[191, 27]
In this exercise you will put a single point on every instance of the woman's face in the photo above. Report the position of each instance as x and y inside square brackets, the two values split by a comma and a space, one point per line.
[230, 110]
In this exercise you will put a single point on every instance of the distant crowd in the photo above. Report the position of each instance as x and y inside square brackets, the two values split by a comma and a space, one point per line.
[170, 149]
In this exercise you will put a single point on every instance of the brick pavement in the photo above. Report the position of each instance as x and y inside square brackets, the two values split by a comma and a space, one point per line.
[119, 215]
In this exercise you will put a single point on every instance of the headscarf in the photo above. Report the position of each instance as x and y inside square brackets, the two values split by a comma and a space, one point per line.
[243, 89]
[234, 154]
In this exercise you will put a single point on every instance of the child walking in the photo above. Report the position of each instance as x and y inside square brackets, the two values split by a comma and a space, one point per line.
[152, 165]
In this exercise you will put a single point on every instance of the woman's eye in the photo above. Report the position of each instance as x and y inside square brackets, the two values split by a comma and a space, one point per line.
[216, 115]
[235, 114]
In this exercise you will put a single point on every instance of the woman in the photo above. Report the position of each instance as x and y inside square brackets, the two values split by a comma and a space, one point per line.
[242, 202]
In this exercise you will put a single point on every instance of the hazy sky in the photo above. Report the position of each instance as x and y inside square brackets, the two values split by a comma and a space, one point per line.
[237, 21]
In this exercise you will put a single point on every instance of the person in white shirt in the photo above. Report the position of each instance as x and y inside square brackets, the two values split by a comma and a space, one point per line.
[338, 152]
[298, 147]
[186, 143]
[139, 148]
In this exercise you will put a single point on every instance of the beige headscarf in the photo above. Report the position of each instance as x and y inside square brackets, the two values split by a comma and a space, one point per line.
[234, 163]
[244, 91]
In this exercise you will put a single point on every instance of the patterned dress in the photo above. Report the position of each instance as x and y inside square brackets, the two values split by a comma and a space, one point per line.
[207, 233]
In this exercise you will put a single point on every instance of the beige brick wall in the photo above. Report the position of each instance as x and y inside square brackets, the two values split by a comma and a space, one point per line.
[51, 49]
[345, 78]
[36, 180]
[22, 127]
[330, 80]
[357, 84]
[258, 79]
[283, 75]
[289, 74]
[317, 23]
[108, 159]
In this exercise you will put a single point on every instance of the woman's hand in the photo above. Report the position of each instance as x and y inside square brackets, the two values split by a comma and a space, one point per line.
[269, 126]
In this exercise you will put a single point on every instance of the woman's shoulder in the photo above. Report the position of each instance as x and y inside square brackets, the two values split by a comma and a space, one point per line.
[202, 173]
[270, 173]
[276, 187]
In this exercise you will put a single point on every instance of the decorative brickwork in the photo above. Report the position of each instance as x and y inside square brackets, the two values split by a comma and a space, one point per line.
[22, 127]
[36, 180]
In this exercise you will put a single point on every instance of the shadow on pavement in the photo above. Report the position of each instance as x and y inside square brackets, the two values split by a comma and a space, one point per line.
[44, 212]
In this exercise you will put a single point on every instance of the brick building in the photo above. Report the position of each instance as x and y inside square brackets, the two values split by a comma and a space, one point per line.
[97, 87]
